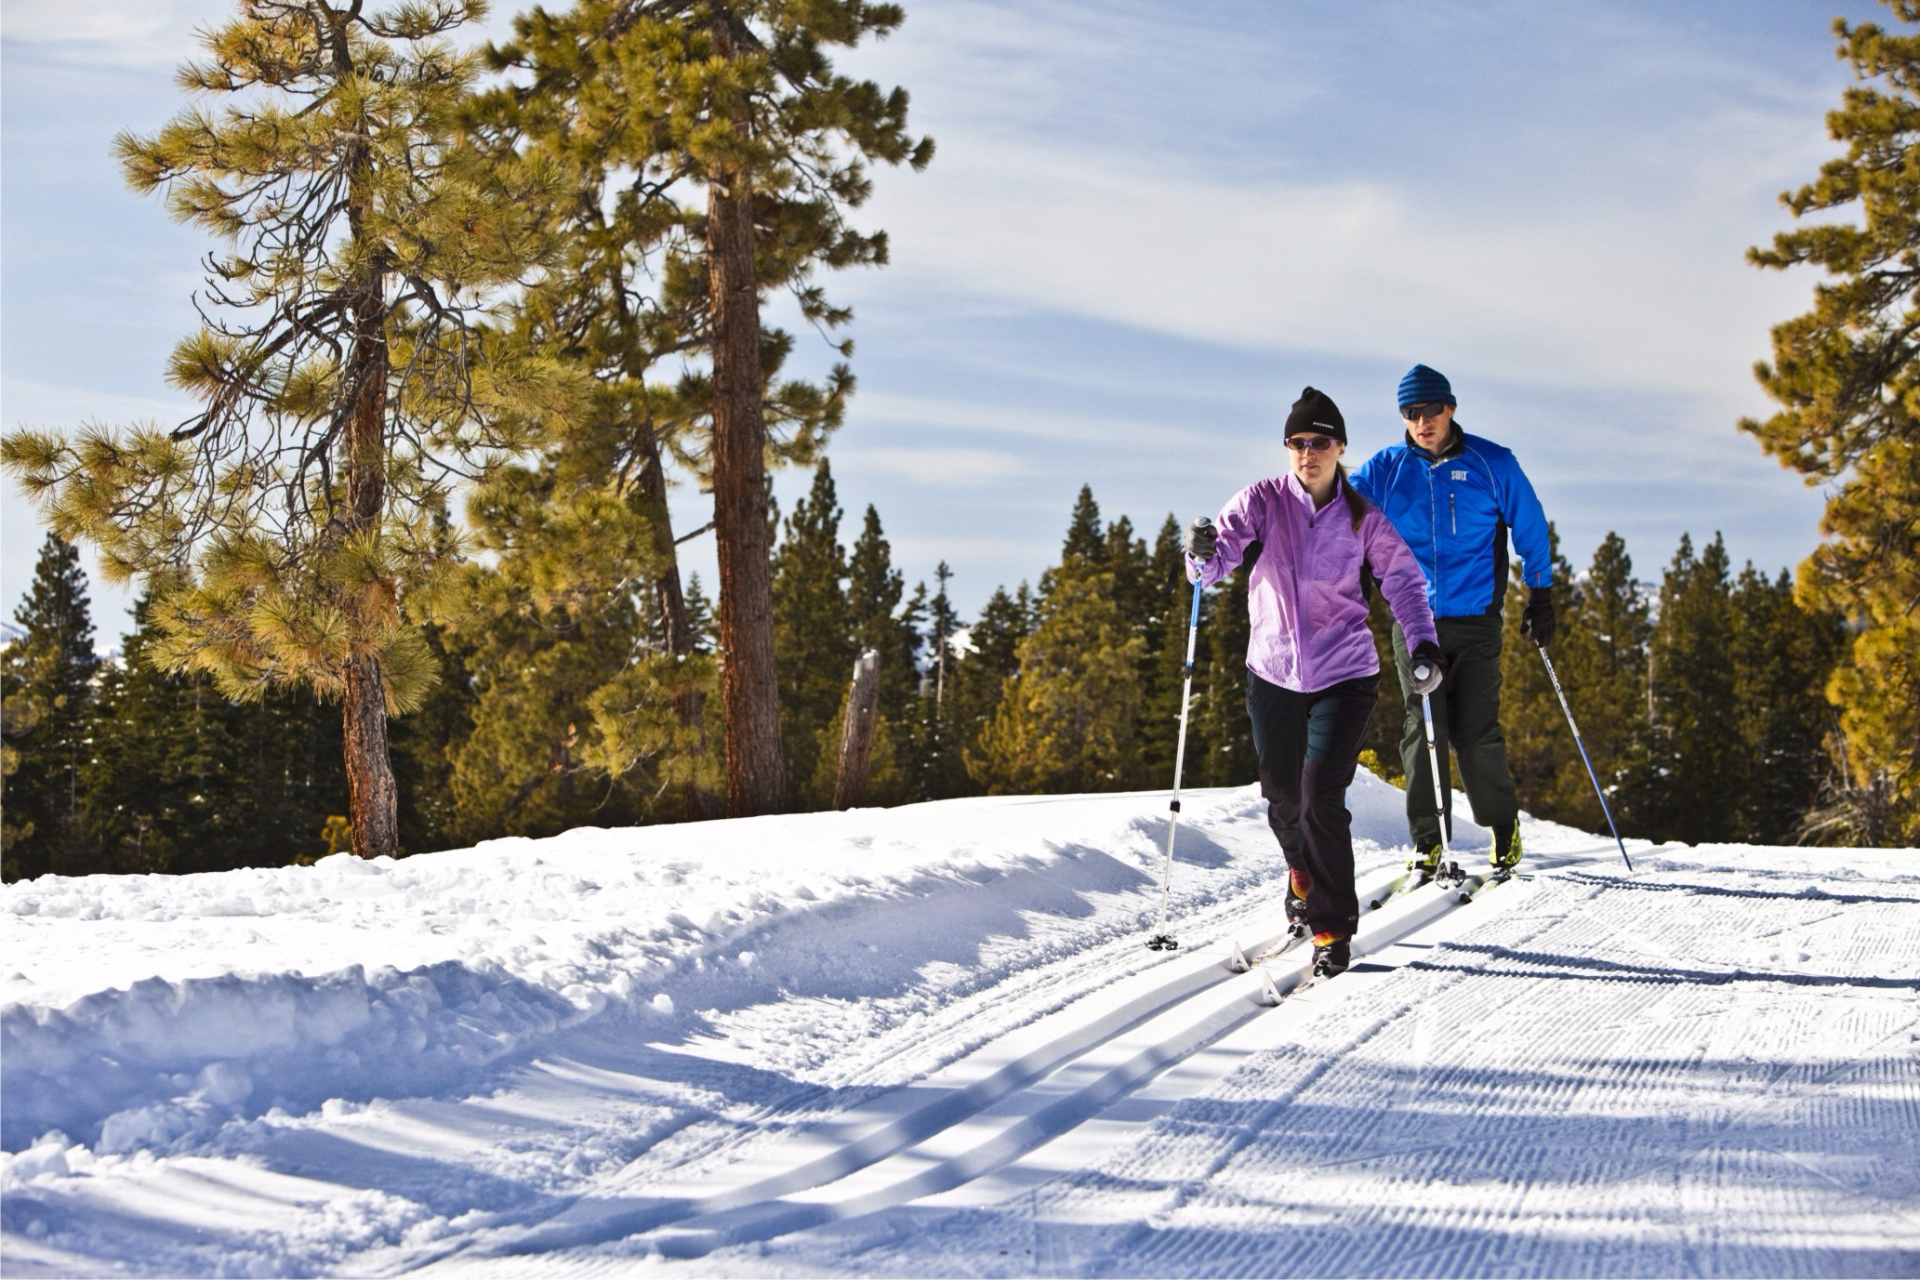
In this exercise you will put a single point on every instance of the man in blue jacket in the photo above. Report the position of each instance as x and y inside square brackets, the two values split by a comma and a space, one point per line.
[1455, 498]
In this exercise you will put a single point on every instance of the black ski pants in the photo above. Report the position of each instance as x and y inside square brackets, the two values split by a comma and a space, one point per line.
[1466, 717]
[1309, 744]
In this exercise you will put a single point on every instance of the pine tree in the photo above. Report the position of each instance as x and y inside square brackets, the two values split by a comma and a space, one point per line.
[46, 688]
[526, 767]
[1781, 657]
[738, 106]
[561, 658]
[1696, 779]
[1847, 375]
[938, 771]
[878, 620]
[989, 658]
[1086, 542]
[812, 641]
[1601, 656]
[294, 527]
[1065, 722]
[882, 617]
[183, 779]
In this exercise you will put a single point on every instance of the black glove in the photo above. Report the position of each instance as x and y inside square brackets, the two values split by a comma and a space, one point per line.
[1202, 539]
[1536, 620]
[1429, 667]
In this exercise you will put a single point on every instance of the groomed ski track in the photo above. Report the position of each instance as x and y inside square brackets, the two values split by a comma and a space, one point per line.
[1706, 1068]
[1001, 1120]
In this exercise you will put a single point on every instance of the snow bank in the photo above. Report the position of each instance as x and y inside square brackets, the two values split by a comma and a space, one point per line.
[147, 1011]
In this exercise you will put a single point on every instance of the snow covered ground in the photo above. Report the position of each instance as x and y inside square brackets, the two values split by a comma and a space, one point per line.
[928, 1041]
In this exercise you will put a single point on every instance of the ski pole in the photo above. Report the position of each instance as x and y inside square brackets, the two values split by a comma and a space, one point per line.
[1584, 759]
[1162, 940]
[1433, 766]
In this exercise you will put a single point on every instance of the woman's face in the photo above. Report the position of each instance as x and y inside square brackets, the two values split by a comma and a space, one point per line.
[1314, 466]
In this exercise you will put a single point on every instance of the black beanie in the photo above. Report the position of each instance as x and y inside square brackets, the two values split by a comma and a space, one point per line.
[1316, 411]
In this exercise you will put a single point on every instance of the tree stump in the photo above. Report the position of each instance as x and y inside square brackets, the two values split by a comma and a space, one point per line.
[856, 732]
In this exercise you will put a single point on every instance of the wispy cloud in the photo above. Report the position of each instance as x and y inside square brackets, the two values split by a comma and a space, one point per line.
[935, 466]
[1618, 261]
[27, 403]
[1017, 420]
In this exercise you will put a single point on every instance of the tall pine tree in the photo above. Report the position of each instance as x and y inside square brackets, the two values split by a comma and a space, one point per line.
[981, 668]
[46, 688]
[1067, 719]
[735, 105]
[938, 771]
[1696, 778]
[812, 641]
[881, 617]
[1601, 656]
[1847, 377]
[1782, 656]
[294, 527]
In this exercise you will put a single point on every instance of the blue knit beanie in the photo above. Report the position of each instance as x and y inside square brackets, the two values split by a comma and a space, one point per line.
[1424, 386]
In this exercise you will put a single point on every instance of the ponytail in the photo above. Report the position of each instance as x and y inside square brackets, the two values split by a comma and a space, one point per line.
[1356, 504]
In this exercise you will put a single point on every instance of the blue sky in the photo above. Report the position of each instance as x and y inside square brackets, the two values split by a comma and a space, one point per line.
[1147, 227]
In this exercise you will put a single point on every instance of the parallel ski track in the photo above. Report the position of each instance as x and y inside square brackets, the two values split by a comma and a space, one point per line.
[991, 1108]
[1486, 1169]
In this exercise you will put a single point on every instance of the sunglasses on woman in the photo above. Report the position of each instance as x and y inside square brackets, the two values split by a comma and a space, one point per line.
[1415, 412]
[1319, 444]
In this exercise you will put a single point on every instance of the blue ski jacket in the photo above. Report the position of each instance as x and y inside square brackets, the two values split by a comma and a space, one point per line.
[1455, 513]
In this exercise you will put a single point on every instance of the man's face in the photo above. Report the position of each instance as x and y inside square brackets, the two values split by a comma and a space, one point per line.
[1428, 424]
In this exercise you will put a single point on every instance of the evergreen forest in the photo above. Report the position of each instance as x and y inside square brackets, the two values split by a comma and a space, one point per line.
[1700, 699]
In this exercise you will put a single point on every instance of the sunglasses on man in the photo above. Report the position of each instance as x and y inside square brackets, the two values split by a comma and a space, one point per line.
[1415, 412]
[1319, 444]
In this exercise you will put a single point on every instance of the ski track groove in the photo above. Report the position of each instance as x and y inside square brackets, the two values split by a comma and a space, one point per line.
[1636, 1071]
[693, 1226]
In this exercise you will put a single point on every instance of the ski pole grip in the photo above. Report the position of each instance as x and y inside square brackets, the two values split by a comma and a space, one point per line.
[1421, 671]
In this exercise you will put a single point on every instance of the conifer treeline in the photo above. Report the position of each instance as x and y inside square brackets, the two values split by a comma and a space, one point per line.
[1701, 704]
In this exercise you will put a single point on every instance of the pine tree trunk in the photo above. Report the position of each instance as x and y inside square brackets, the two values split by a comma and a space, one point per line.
[748, 692]
[372, 795]
[372, 798]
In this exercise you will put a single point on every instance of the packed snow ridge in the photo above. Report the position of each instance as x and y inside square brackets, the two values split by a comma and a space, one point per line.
[929, 1041]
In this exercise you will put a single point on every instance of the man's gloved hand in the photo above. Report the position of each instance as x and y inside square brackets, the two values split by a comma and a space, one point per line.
[1536, 620]
[1428, 667]
[1202, 539]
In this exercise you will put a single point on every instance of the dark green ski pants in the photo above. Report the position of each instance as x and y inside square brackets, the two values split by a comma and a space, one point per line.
[1466, 716]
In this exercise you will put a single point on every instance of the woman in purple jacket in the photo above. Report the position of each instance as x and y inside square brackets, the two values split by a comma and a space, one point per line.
[1311, 669]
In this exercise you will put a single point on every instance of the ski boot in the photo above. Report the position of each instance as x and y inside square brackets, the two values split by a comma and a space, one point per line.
[1506, 850]
[1331, 955]
[1298, 885]
[1426, 865]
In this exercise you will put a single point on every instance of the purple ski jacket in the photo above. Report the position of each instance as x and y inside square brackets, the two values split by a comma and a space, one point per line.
[1308, 613]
